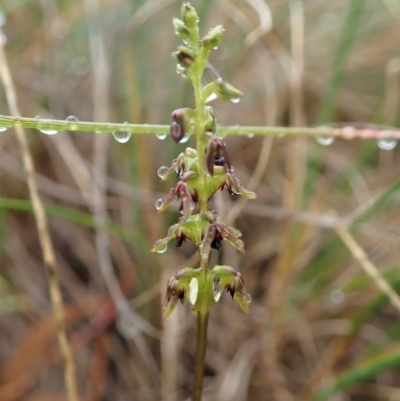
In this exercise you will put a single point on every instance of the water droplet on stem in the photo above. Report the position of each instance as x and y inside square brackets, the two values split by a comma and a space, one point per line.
[122, 136]
[161, 136]
[325, 140]
[70, 120]
[159, 203]
[162, 171]
[161, 247]
[48, 131]
[185, 138]
[387, 143]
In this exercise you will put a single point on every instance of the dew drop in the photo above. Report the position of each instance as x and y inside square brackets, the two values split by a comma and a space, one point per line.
[212, 97]
[161, 136]
[161, 248]
[2, 129]
[122, 136]
[45, 131]
[48, 131]
[387, 144]
[325, 140]
[159, 203]
[250, 135]
[185, 138]
[162, 171]
[235, 100]
[70, 120]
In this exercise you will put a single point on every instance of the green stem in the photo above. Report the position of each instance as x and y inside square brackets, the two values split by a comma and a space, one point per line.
[199, 124]
[370, 131]
[197, 73]
[201, 347]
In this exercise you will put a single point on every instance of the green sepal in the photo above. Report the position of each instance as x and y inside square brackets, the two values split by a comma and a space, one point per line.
[232, 281]
[243, 299]
[222, 89]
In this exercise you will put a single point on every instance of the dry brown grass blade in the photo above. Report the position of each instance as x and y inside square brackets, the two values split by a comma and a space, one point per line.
[98, 375]
[295, 172]
[359, 254]
[49, 258]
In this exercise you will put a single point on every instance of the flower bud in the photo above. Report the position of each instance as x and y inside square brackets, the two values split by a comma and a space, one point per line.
[211, 121]
[189, 16]
[213, 38]
[181, 29]
[179, 124]
[184, 56]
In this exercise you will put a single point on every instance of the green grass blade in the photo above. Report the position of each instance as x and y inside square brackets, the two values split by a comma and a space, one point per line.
[346, 40]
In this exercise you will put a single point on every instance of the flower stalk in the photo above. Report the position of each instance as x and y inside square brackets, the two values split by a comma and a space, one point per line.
[201, 172]
[345, 131]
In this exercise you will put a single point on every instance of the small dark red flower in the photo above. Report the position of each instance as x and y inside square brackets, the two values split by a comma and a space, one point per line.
[217, 155]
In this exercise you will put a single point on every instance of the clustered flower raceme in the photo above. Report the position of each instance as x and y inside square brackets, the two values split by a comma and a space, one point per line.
[204, 228]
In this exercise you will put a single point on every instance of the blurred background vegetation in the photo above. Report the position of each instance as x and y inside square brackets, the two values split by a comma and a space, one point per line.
[319, 328]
